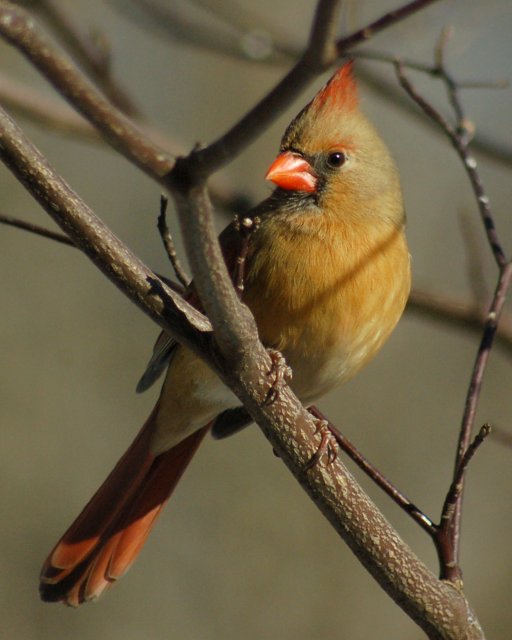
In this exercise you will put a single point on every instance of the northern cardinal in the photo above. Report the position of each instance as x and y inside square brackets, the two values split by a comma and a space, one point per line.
[327, 279]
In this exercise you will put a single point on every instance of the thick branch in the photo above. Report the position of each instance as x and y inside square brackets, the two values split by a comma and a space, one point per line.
[18, 28]
[435, 606]
[243, 363]
[88, 232]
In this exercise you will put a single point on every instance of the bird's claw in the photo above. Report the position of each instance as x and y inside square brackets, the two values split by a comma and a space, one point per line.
[328, 445]
[282, 375]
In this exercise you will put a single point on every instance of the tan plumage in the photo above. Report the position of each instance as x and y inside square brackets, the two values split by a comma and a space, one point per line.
[327, 280]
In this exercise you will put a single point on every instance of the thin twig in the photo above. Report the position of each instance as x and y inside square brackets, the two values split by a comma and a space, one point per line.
[36, 229]
[497, 150]
[460, 141]
[448, 544]
[165, 234]
[444, 536]
[473, 396]
[456, 486]
[385, 21]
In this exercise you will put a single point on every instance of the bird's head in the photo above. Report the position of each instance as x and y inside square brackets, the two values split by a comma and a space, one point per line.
[332, 157]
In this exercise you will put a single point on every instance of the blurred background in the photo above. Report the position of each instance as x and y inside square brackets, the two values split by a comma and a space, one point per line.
[241, 552]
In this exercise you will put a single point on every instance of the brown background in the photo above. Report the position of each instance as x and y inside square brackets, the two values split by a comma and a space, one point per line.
[243, 553]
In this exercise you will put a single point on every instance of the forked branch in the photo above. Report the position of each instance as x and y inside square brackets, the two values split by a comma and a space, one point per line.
[459, 134]
[236, 354]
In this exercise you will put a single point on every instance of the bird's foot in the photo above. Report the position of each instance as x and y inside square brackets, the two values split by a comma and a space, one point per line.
[328, 446]
[281, 373]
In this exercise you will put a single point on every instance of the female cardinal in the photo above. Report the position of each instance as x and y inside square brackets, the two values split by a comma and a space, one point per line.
[327, 279]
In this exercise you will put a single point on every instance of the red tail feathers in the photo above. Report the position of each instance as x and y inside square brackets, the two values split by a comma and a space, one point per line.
[105, 539]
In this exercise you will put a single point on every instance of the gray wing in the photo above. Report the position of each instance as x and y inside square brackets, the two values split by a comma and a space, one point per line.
[163, 352]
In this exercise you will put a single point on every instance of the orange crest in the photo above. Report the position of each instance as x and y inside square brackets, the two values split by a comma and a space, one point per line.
[340, 92]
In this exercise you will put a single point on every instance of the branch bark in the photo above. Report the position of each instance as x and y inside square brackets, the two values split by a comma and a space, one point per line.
[436, 606]
[18, 28]
[236, 354]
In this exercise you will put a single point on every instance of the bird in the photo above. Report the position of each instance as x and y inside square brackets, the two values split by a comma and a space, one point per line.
[327, 276]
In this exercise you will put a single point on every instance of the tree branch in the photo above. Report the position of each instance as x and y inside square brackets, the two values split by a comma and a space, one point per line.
[87, 232]
[274, 50]
[440, 610]
[238, 357]
[221, 151]
[18, 28]
[448, 537]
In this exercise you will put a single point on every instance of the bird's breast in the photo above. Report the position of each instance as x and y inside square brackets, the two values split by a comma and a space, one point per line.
[327, 294]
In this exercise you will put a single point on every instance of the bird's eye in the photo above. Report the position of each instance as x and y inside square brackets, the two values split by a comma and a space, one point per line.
[336, 159]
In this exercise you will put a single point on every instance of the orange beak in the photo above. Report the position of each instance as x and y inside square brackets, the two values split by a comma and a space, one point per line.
[292, 172]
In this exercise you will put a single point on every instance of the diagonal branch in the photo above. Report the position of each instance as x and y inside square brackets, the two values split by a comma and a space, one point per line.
[89, 233]
[439, 609]
[18, 28]
[290, 430]
[448, 539]
[459, 139]
[238, 357]
[311, 64]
